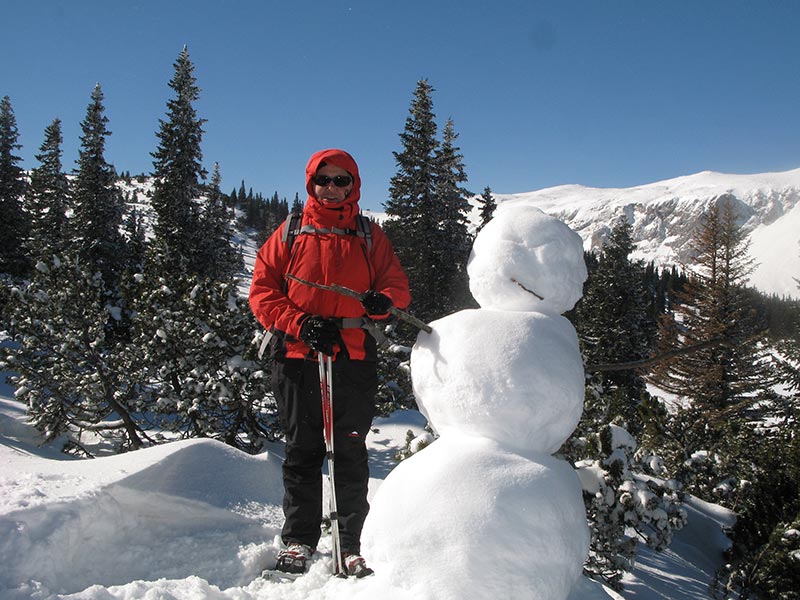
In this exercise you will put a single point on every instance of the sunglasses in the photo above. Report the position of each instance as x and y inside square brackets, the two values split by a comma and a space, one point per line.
[338, 181]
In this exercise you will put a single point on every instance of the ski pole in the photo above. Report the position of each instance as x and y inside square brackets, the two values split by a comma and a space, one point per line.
[326, 391]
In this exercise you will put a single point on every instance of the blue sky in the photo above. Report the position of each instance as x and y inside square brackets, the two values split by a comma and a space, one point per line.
[542, 93]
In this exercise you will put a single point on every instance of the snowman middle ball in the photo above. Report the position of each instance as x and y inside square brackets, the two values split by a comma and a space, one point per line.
[513, 377]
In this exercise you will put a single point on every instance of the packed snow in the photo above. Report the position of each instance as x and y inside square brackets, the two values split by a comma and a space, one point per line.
[483, 511]
[196, 520]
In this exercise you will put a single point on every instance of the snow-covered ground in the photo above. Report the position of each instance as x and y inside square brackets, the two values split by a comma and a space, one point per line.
[198, 520]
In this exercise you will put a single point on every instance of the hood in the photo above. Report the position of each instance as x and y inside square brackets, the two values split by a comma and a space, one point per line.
[349, 207]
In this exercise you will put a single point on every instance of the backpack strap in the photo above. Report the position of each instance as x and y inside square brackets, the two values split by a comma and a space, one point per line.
[365, 229]
[294, 228]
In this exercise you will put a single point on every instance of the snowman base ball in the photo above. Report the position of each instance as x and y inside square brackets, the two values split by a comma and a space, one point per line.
[467, 518]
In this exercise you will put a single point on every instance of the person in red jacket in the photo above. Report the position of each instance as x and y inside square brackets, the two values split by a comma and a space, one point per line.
[328, 247]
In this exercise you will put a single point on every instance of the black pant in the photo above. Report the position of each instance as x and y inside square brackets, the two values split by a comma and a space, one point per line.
[295, 383]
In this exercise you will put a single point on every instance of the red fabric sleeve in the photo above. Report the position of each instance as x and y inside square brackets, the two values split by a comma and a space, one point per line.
[268, 300]
[390, 279]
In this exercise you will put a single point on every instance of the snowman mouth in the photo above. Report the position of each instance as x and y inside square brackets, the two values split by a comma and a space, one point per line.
[530, 291]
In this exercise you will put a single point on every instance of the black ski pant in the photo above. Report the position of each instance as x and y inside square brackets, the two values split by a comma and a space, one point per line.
[295, 383]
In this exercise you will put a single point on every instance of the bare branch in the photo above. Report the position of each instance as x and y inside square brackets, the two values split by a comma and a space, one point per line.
[345, 291]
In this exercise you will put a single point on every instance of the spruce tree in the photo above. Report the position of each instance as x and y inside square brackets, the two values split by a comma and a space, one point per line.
[219, 259]
[177, 175]
[413, 224]
[427, 212]
[98, 206]
[297, 204]
[14, 225]
[452, 241]
[616, 325]
[48, 196]
[487, 207]
[135, 240]
[762, 561]
[626, 498]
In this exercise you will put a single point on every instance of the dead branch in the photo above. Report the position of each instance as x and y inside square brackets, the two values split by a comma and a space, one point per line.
[345, 291]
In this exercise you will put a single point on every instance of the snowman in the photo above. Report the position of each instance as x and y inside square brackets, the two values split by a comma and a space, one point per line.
[486, 510]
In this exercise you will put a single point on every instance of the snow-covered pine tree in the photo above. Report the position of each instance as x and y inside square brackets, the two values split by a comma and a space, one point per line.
[69, 372]
[722, 370]
[135, 240]
[177, 175]
[626, 501]
[69, 321]
[189, 329]
[95, 236]
[48, 196]
[195, 355]
[13, 222]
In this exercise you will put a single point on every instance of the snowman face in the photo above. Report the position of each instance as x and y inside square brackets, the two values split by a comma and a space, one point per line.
[525, 260]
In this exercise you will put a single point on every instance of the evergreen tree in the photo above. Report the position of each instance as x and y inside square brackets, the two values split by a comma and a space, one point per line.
[297, 204]
[488, 206]
[453, 242]
[195, 354]
[412, 223]
[762, 562]
[177, 174]
[13, 222]
[68, 370]
[95, 225]
[48, 196]
[616, 325]
[426, 209]
[625, 501]
[219, 259]
[721, 370]
[135, 240]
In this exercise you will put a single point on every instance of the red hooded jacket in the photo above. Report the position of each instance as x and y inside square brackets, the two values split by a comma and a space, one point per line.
[281, 304]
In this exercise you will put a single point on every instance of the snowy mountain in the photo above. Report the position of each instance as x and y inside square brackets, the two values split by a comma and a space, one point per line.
[664, 215]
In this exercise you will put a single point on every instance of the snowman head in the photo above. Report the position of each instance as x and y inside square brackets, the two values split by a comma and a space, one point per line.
[525, 260]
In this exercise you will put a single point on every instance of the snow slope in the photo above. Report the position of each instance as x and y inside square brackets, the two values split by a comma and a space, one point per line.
[664, 215]
[196, 519]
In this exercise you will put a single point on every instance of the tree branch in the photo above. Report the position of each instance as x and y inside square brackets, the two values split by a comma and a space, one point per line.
[345, 291]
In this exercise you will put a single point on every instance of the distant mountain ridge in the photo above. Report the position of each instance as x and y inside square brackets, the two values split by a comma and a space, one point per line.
[665, 214]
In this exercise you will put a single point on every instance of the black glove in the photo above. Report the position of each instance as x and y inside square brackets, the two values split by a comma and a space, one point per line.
[376, 303]
[320, 334]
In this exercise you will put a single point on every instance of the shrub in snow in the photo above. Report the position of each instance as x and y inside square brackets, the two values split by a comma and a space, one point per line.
[194, 353]
[764, 560]
[625, 502]
[69, 362]
[774, 572]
